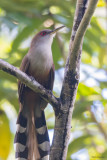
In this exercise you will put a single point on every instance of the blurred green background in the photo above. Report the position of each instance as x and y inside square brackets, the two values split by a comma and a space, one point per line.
[20, 20]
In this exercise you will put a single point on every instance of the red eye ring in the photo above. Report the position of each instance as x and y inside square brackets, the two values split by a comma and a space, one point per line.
[43, 33]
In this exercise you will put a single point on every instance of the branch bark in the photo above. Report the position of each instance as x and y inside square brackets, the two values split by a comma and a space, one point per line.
[71, 79]
[34, 85]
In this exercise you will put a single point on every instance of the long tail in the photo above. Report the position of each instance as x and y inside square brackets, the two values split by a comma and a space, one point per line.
[31, 140]
[42, 137]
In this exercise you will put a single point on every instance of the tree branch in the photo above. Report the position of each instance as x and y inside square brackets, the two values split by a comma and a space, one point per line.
[71, 79]
[74, 50]
[34, 85]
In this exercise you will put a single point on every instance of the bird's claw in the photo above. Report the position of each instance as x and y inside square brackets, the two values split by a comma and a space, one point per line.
[32, 78]
[59, 112]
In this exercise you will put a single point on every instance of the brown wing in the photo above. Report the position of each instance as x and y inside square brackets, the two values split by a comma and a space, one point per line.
[24, 67]
[51, 78]
[49, 85]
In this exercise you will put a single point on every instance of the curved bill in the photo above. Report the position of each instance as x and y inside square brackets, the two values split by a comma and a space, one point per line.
[55, 30]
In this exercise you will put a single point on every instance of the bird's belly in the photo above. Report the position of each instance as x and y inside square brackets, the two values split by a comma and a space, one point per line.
[40, 71]
[40, 65]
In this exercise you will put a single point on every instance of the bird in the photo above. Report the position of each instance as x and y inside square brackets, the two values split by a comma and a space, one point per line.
[31, 140]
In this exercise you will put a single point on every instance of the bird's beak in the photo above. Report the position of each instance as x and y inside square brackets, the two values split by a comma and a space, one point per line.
[55, 30]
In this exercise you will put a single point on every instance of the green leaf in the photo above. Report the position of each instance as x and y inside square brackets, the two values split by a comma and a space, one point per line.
[25, 33]
[77, 144]
[56, 53]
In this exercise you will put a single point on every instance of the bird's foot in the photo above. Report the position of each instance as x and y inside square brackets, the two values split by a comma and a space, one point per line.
[32, 78]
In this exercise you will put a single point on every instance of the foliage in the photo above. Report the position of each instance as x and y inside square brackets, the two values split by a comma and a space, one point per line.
[5, 136]
[19, 21]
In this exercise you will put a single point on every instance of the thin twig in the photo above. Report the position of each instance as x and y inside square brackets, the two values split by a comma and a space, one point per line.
[100, 127]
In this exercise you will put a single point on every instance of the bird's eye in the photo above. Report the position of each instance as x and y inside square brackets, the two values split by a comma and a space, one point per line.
[43, 33]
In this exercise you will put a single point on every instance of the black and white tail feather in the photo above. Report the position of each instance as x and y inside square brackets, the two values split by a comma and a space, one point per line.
[31, 140]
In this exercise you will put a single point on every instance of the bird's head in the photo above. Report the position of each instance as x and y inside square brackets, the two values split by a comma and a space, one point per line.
[45, 36]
